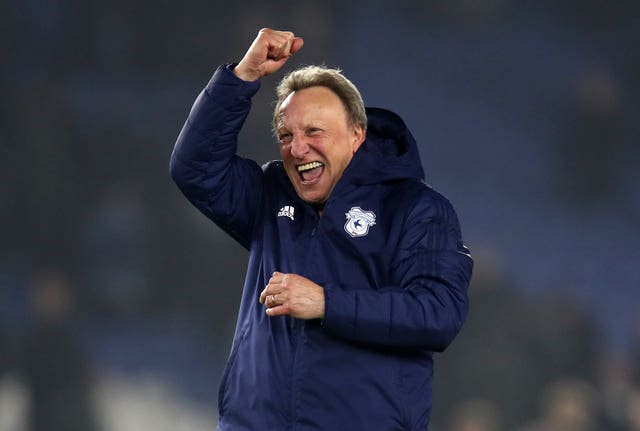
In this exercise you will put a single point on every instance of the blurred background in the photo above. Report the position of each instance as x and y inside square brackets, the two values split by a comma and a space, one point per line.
[118, 299]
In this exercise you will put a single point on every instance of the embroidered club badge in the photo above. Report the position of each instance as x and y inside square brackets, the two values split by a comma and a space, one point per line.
[359, 222]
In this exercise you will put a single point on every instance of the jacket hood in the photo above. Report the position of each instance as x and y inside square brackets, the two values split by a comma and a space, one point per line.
[389, 152]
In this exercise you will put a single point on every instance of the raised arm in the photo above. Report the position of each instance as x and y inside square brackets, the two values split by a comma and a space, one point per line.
[222, 185]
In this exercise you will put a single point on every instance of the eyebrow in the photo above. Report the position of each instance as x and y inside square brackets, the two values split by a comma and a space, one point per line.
[280, 120]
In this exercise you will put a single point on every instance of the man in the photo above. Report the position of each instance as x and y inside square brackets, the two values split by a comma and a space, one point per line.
[357, 271]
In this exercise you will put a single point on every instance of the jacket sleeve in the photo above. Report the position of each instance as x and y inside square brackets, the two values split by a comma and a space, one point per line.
[222, 185]
[427, 307]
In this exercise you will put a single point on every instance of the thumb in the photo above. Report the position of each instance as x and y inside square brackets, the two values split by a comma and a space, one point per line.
[296, 44]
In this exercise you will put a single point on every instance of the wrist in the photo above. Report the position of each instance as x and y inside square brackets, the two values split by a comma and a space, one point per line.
[246, 74]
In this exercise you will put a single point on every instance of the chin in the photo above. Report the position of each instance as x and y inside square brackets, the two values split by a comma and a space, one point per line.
[312, 199]
[308, 195]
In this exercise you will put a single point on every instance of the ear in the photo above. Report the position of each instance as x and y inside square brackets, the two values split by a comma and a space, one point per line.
[358, 137]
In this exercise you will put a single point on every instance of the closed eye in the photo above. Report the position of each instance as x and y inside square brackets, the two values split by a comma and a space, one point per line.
[312, 131]
[284, 138]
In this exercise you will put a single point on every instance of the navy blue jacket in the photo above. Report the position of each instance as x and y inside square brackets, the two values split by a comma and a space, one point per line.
[387, 250]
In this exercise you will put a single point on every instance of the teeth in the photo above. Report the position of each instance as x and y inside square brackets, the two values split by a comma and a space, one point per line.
[309, 166]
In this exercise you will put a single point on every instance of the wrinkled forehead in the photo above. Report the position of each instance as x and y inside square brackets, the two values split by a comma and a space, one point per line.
[311, 104]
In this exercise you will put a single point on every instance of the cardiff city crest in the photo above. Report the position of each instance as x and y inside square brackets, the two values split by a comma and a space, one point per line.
[359, 221]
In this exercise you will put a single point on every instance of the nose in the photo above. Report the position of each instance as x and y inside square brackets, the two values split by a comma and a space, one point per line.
[299, 147]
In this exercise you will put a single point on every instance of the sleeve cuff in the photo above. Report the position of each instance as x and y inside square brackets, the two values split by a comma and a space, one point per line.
[339, 311]
[227, 88]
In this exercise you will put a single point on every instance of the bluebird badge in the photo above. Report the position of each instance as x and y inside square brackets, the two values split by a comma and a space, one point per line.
[359, 221]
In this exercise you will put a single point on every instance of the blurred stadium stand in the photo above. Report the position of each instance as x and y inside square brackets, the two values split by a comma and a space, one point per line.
[526, 114]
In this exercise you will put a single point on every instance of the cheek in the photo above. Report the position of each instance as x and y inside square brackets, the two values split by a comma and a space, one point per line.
[344, 157]
[287, 159]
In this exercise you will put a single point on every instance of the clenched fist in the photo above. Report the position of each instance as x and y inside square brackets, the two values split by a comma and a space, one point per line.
[267, 54]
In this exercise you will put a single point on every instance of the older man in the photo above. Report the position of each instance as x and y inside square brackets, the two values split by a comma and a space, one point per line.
[357, 271]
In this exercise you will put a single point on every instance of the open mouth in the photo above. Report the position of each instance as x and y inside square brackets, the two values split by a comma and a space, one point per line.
[310, 171]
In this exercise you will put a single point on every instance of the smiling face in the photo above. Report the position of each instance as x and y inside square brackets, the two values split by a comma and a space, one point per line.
[316, 141]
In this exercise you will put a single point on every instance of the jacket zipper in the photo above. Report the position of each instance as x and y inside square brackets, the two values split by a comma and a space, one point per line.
[299, 327]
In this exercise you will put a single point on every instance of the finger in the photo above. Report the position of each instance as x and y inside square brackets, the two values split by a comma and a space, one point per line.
[278, 310]
[263, 295]
[272, 287]
[276, 280]
[275, 299]
[280, 47]
[296, 44]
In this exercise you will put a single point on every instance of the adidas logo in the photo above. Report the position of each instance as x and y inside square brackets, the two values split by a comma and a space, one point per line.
[286, 211]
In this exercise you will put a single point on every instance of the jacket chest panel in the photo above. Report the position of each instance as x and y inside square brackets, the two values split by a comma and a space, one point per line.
[354, 241]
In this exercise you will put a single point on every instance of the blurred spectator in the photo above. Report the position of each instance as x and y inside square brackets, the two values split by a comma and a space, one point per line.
[565, 337]
[493, 357]
[4, 352]
[115, 251]
[475, 415]
[595, 142]
[514, 344]
[54, 366]
[635, 350]
[568, 405]
[633, 410]
[615, 386]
